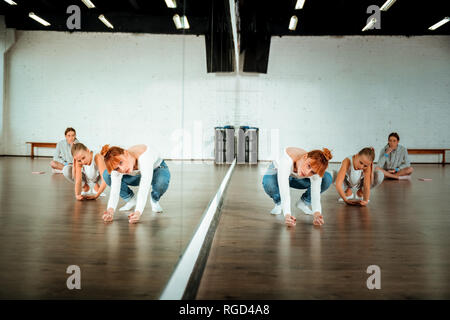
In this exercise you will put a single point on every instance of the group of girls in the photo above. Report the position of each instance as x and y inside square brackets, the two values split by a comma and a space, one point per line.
[91, 171]
[299, 169]
[142, 166]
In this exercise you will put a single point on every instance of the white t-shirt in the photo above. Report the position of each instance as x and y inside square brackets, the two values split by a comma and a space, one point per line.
[285, 166]
[147, 162]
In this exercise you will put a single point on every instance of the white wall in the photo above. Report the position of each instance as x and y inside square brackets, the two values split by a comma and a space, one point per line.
[6, 40]
[344, 93]
[349, 92]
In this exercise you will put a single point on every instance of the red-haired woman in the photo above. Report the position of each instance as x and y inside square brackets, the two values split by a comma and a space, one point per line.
[298, 169]
[140, 165]
[357, 172]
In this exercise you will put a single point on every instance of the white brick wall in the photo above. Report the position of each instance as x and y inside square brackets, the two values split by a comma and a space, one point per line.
[343, 93]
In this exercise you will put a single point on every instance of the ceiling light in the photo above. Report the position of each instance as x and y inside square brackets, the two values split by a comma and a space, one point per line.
[293, 23]
[11, 2]
[440, 23]
[88, 4]
[38, 19]
[299, 4]
[105, 21]
[370, 24]
[177, 21]
[387, 5]
[185, 22]
[171, 3]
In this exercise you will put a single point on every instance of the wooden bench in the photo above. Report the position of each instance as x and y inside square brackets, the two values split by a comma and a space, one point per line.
[41, 145]
[429, 151]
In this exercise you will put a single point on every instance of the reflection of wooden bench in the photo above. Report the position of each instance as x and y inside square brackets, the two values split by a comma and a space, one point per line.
[429, 151]
[41, 145]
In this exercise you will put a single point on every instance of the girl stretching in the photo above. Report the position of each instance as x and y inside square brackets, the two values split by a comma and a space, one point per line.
[86, 173]
[298, 169]
[140, 166]
[357, 172]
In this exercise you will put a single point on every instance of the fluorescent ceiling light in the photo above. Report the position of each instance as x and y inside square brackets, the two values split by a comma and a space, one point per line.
[11, 2]
[370, 24]
[105, 21]
[387, 5]
[177, 21]
[181, 22]
[185, 22]
[440, 23]
[171, 3]
[38, 19]
[299, 4]
[293, 23]
[88, 4]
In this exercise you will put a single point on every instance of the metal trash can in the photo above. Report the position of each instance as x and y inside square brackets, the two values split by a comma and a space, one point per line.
[229, 144]
[219, 145]
[241, 157]
[252, 145]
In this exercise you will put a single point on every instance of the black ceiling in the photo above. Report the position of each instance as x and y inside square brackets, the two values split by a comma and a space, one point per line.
[318, 17]
[258, 21]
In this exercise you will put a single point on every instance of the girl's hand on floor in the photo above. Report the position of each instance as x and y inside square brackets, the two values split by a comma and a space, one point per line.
[79, 197]
[134, 217]
[90, 197]
[353, 202]
[318, 219]
[363, 203]
[108, 215]
[290, 220]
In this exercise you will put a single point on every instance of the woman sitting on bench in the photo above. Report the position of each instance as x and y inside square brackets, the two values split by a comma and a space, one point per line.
[393, 161]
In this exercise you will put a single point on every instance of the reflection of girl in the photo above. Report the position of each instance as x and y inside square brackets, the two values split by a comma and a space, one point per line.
[357, 171]
[86, 173]
[394, 161]
[299, 169]
[140, 166]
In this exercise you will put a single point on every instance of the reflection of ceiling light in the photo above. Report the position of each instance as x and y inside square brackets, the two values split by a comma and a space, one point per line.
[177, 21]
[181, 22]
[370, 24]
[171, 3]
[185, 22]
[387, 5]
[299, 4]
[293, 23]
[38, 19]
[440, 23]
[105, 21]
[11, 2]
[88, 4]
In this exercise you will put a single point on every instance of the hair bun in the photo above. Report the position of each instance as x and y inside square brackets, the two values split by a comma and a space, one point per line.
[105, 149]
[327, 154]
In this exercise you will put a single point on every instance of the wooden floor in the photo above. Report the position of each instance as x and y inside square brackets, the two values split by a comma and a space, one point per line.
[405, 230]
[43, 230]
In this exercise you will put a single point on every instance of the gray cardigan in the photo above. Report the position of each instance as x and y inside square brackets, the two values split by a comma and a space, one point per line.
[63, 153]
[398, 158]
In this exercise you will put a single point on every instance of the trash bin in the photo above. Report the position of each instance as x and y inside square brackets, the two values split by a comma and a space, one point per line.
[229, 144]
[219, 145]
[241, 148]
[252, 138]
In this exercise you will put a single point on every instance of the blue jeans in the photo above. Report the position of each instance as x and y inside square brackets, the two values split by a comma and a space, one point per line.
[270, 184]
[160, 182]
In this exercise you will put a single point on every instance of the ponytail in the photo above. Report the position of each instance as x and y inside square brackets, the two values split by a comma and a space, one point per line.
[105, 149]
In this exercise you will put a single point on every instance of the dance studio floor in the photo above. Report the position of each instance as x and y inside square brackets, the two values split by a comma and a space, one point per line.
[43, 230]
[405, 230]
